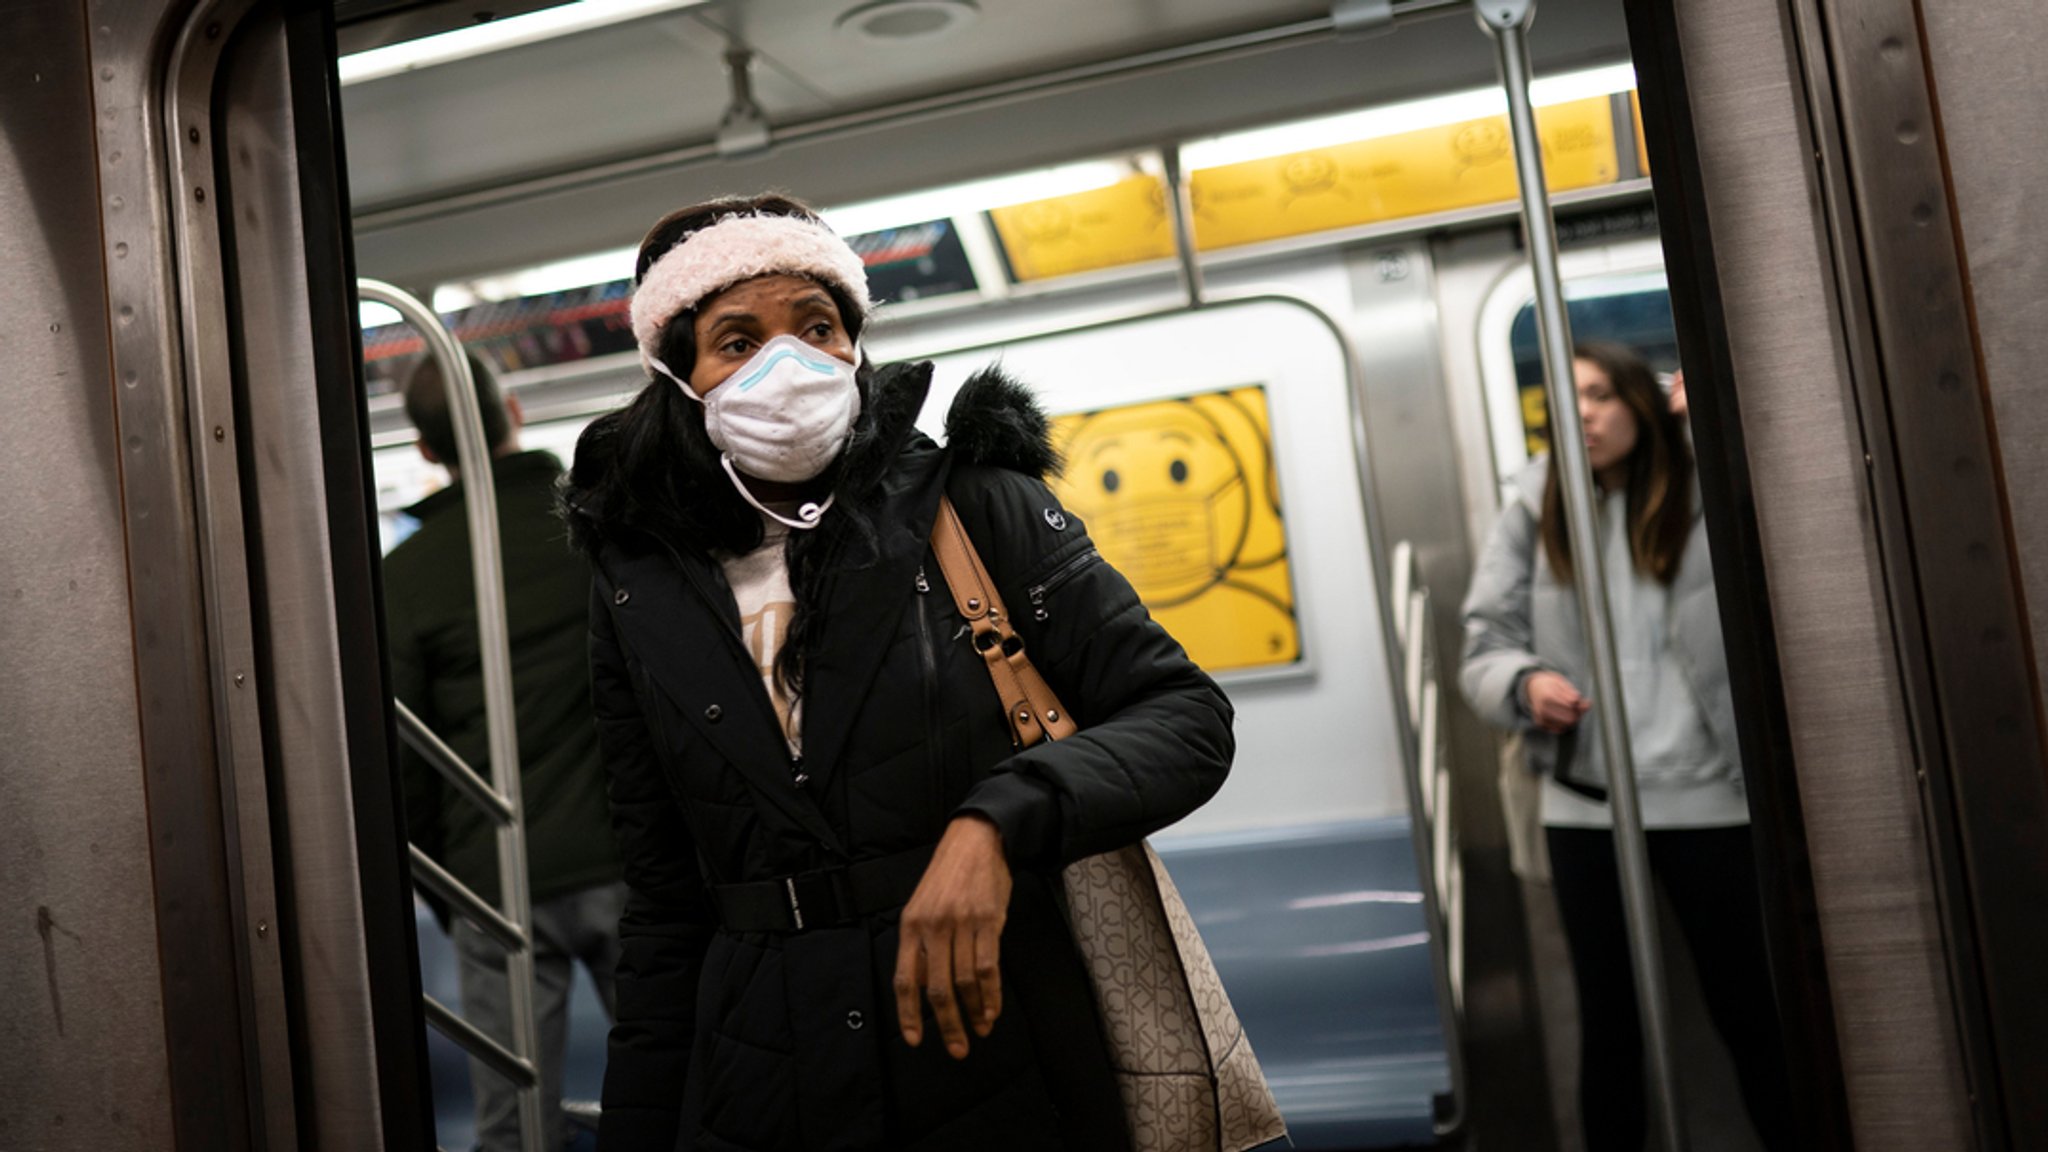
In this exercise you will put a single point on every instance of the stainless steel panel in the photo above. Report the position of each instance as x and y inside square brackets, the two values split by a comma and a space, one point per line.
[199, 203]
[1856, 776]
[288, 529]
[1412, 440]
[81, 1002]
[1951, 562]
[205, 1010]
[1991, 86]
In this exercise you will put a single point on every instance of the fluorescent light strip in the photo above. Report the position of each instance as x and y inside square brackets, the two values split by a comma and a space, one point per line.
[1393, 119]
[978, 196]
[852, 220]
[1067, 179]
[539, 280]
[511, 32]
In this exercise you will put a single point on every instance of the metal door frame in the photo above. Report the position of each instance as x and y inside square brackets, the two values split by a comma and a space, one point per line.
[246, 909]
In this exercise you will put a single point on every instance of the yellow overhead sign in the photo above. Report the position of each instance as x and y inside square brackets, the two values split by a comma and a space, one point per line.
[1182, 497]
[1392, 177]
[1125, 223]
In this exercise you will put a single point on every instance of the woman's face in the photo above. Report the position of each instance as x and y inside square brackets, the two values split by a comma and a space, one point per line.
[732, 325]
[1610, 426]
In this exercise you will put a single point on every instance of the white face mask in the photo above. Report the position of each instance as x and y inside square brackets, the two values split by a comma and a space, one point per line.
[784, 416]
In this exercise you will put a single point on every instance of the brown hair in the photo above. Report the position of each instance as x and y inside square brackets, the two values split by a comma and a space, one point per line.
[426, 405]
[1659, 472]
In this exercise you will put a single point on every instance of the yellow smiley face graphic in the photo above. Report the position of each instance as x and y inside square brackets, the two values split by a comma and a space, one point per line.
[1166, 492]
[1179, 497]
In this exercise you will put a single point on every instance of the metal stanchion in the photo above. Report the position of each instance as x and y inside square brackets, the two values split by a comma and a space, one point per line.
[1181, 210]
[1507, 21]
[480, 498]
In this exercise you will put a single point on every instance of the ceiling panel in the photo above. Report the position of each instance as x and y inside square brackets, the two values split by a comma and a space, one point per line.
[659, 83]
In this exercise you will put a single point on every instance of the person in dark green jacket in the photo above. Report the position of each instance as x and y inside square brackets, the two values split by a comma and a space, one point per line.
[572, 862]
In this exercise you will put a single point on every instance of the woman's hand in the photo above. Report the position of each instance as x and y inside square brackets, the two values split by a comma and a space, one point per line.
[1553, 703]
[951, 937]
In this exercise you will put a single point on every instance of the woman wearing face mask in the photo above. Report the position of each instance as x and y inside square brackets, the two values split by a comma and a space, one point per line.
[842, 931]
[1525, 669]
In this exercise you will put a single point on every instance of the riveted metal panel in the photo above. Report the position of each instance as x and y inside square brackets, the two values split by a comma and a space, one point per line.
[358, 1050]
[1396, 325]
[1991, 88]
[81, 1004]
[1848, 736]
[197, 909]
[1951, 561]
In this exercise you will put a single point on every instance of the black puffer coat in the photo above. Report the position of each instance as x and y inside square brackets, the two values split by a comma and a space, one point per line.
[758, 1040]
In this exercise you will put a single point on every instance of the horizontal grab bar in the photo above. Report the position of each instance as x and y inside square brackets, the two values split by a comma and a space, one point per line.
[451, 767]
[472, 1040]
[442, 883]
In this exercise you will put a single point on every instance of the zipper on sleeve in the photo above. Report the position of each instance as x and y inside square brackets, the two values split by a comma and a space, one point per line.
[1060, 576]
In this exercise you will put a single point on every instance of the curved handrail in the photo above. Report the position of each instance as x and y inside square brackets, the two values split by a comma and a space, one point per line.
[480, 500]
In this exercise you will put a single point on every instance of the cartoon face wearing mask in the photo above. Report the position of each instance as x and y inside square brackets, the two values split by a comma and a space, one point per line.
[784, 416]
[1165, 497]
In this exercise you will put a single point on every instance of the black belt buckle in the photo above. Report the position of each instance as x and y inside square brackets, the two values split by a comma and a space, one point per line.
[796, 908]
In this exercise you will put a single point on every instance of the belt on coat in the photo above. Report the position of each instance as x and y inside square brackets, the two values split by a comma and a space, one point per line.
[824, 899]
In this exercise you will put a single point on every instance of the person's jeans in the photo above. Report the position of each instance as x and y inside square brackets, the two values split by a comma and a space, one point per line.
[582, 925]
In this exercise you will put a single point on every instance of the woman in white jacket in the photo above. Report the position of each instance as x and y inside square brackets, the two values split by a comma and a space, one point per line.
[1525, 669]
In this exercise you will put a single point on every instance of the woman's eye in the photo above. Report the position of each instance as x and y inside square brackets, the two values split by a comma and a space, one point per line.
[822, 330]
[736, 346]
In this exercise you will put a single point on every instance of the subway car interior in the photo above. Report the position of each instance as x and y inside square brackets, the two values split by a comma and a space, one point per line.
[1300, 285]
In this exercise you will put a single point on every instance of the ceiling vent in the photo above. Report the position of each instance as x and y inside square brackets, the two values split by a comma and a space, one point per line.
[894, 22]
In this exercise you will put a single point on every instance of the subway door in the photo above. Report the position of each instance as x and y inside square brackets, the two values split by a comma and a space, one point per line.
[314, 597]
[205, 834]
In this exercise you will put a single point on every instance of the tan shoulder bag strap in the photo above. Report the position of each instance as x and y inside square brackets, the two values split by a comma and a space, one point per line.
[1033, 710]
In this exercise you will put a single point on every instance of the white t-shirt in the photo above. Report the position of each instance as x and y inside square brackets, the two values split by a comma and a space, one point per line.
[760, 583]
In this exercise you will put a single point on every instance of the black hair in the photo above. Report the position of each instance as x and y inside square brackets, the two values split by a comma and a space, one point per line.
[426, 405]
[648, 477]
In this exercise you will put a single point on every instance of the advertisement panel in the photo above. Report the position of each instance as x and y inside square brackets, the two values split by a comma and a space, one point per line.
[1394, 177]
[1182, 496]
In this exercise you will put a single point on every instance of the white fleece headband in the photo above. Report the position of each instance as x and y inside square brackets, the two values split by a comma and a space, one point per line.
[734, 249]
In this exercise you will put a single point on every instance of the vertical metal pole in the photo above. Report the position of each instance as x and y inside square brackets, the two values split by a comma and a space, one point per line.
[1508, 21]
[480, 498]
[1180, 208]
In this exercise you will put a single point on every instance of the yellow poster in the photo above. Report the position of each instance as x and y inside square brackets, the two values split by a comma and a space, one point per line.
[1635, 107]
[1124, 223]
[1535, 419]
[1394, 177]
[1182, 497]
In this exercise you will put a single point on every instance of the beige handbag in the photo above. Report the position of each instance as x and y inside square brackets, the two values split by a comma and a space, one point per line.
[1185, 1069]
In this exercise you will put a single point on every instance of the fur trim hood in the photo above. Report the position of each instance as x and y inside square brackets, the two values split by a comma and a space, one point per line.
[995, 422]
